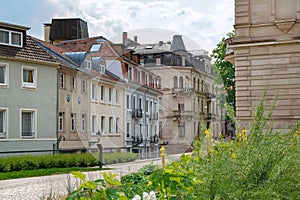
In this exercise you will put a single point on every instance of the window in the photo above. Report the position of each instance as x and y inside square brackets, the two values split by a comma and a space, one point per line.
[128, 130]
[160, 131]
[95, 47]
[94, 91]
[110, 125]
[73, 122]
[94, 124]
[117, 97]
[130, 73]
[158, 82]
[61, 121]
[181, 107]
[102, 124]
[88, 64]
[3, 74]
[3, 125]
[175, 82]
[11, 38]
[62, 80]
[146, 79]
[28, 124]
[158, 61]
[128, 101]
[140, 103]
[147, 105]
[73, 83]
[83, 86]
[102, 93]
[180, 82]
[83, 122]
[181, 129]
[138, 76]
[117, 125]
[110, 93]
[29, 77]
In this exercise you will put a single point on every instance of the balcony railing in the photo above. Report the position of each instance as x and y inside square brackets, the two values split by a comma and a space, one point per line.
[153, 116]
[182, 90]
[211, 116]
[154, 139]
[28, 135]
[181, 114]
[137, 140]
[210, 96]
[137, 113]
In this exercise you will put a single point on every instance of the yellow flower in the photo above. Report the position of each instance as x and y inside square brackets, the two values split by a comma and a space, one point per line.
[233, 155]
[231, 149]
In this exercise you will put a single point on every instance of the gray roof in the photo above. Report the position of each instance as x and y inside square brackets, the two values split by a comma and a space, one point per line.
[177, 43]
[77, 57]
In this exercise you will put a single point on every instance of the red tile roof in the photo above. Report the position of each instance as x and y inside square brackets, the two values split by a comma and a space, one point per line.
[30, 52]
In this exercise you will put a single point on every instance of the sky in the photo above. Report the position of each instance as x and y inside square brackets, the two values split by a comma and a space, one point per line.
[202, 23]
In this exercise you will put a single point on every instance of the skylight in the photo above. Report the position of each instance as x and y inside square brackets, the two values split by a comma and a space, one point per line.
[149, 46]
[95, 47]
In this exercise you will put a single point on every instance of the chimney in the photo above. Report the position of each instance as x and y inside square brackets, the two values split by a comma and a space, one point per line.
[135, 38]
[124, 37]
[160, 43]
[47, 28]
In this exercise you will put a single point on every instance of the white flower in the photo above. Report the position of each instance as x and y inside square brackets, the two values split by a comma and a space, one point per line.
[152, 195]
[145, 196]
[136, 197]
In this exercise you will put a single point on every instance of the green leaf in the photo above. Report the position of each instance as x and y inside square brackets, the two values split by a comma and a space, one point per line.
[78, 175]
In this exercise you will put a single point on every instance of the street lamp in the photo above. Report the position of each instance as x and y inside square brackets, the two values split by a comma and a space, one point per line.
[100, 148]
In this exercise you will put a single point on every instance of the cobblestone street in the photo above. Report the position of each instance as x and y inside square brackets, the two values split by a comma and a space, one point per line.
[39, 188]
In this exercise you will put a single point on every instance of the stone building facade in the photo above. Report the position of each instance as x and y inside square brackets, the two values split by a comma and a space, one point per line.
[266, 54]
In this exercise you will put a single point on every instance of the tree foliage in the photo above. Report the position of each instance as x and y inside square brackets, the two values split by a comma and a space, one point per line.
[225, 72]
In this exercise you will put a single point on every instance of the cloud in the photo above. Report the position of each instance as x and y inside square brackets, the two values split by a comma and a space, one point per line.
[203, 22]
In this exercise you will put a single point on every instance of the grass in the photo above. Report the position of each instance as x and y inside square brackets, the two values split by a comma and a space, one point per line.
[44, 172]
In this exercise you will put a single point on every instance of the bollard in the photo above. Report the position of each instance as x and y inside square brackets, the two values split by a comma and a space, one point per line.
[163, 155]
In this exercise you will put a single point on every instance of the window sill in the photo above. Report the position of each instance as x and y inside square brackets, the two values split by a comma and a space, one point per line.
[3, 85]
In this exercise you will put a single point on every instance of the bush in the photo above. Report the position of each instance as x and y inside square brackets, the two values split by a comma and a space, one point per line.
[32, 162]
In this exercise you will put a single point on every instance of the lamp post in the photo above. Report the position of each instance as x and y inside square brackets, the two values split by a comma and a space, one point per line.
[100, 148]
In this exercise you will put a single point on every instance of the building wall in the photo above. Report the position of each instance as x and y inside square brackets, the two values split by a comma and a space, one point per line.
[270, 61]
[42, 100]
[76, 102]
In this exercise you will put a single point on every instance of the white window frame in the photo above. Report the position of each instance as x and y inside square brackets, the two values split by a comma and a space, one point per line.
[62, 80]
[83, 86]
[4, 132]
[102, 93]
[110, 125]
[73, 122]
[94, 125]
[33, 123]
[61, 116]
[94, 91]
[181, 129]
[10, 41]
[117, 124]
[34, 78]
[73, 83]
[5, 74]
[117, 96]
[110, 95]
[102, 124]
[83, 122]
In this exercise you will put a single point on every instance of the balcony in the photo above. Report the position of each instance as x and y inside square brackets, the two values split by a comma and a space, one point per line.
[229, 55]
[181, 114]
[183, 90]
[210, 96]
[153, 116]
[137, 140]
[211, 116]
[154, 139]
[137, 113]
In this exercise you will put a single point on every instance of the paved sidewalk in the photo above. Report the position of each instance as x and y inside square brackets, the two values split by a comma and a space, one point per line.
[39, 188]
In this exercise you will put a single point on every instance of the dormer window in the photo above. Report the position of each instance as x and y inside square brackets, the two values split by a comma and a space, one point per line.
[12, 38]
[102, 66]
[88, 62]
[95, 47]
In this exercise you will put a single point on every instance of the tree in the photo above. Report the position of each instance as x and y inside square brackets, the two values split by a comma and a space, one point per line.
[225, 72]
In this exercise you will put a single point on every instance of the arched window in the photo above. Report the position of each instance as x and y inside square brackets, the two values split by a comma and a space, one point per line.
[158, 82]
[187, 82]
[194, 83]
[175, 82]
[198, 86]
[180, 82]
